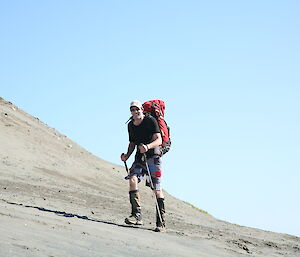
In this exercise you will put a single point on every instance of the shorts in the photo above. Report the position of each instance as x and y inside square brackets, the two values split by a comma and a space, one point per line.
[139, 169]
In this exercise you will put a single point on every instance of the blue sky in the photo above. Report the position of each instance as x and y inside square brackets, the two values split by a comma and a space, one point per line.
[228, 72]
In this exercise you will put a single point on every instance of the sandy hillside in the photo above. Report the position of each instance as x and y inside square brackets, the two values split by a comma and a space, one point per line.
[57, 199]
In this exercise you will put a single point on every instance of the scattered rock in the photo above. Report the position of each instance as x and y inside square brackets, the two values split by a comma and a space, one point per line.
[246, 249]
[296, 248]
[240, 245]
[180, 233]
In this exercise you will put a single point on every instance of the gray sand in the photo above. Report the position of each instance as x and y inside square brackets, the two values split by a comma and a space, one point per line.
[57, 199]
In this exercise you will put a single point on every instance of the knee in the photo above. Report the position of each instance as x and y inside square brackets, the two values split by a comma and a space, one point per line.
[133, 183]
[133, 180]
[159, 193]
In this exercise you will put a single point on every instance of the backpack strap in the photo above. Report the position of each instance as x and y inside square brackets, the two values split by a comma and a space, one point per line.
[131, 118]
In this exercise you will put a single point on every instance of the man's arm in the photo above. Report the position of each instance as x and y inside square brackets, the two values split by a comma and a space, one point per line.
[157, 140]
[131, 147]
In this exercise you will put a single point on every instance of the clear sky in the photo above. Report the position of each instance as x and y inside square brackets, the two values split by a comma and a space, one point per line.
[227, 70]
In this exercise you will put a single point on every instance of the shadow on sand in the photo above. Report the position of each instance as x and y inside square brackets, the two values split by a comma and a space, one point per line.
[72, 215]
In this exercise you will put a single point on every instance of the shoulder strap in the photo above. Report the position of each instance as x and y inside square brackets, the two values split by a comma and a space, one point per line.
[129, 120]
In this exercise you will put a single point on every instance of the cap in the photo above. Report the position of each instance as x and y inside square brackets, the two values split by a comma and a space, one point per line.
[136, 103]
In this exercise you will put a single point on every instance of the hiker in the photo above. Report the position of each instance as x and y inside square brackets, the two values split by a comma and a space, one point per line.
[144, 133]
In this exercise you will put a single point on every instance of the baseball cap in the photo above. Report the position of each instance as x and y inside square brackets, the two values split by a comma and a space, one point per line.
[137, 104]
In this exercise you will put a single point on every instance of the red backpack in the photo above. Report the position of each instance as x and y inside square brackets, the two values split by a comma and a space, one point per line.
[156, 108]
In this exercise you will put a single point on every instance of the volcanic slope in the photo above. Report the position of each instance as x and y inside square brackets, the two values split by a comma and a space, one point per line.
[57, 199]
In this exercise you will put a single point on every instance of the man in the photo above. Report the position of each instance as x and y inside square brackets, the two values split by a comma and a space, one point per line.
[144, 133]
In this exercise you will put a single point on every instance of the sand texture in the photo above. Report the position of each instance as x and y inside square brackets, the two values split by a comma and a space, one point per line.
[57, 199]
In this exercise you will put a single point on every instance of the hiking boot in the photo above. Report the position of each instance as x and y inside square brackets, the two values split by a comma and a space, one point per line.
[134, 219]
[160, 229]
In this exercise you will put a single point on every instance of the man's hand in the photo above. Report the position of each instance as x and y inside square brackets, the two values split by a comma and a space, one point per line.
[124, 157]
[143, 148]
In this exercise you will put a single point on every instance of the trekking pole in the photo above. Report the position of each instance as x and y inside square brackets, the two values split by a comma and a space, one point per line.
[152, 186]
[126, 166]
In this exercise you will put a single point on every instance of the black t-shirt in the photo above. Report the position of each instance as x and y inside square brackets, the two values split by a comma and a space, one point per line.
[143, 133]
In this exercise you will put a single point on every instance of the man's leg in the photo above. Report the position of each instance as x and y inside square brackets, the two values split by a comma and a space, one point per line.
[159, 193]
[155, 167]
[134, 197]
[160, 223]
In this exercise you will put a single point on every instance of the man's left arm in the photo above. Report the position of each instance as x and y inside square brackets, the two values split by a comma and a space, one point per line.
[157, 140]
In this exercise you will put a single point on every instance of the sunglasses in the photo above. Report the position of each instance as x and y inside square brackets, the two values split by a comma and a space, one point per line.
[134, 109]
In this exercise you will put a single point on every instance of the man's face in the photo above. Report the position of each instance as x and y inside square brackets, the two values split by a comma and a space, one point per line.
[136, 112]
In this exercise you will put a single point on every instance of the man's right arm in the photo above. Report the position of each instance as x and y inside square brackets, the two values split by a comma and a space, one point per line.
[130, 150]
